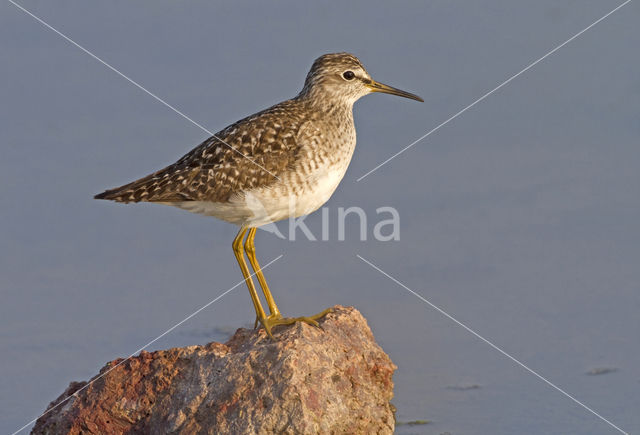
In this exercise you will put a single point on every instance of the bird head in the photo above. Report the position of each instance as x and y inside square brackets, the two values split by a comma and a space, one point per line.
[342, 77]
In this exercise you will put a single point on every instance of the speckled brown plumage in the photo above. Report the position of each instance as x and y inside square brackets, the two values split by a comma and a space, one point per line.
[252, 153]
[248, 154]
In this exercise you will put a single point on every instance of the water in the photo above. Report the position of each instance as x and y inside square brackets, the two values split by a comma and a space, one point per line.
[519, 219]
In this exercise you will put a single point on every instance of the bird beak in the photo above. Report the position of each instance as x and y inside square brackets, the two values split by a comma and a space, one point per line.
[380, 87]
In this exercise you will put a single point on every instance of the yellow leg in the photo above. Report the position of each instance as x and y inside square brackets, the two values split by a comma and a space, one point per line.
[250, 249]
[310, 320]
[237, 250]
[274, 318]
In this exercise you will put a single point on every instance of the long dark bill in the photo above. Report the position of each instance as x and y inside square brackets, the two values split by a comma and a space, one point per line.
[381, 87]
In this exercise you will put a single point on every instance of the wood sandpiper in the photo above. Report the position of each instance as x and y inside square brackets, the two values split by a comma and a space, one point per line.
[285, 161]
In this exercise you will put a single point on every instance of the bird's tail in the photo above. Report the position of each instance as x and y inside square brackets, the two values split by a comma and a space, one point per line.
[136, 191]
[161, 186]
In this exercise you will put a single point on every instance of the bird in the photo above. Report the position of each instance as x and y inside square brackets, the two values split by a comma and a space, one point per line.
[282, 162]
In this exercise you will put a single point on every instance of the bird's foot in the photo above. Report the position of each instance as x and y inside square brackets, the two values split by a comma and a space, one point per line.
[274, 320]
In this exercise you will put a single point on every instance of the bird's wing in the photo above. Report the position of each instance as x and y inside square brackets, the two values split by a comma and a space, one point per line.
[252, 153]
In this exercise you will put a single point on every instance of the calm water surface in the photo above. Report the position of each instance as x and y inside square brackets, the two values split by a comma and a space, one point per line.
[520, 218]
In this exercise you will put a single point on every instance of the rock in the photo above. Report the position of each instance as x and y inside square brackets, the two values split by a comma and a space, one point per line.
[330, 380]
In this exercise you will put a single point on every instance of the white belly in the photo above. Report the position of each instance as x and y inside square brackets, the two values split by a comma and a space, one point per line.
[267, 205]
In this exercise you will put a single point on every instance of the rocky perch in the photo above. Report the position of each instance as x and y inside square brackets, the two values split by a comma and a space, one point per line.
[334, 380]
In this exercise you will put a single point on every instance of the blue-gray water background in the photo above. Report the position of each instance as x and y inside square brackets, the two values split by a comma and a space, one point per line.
[521, 218]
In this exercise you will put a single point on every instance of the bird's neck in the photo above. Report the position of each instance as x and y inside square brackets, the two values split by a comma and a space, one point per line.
[321, 103]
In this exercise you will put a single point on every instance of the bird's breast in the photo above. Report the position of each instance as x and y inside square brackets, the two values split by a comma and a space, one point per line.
[321, 169]
[306, 188]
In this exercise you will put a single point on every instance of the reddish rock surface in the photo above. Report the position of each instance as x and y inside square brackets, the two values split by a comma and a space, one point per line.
[335, 380]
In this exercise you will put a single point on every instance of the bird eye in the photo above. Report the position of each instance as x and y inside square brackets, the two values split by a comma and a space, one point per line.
[348, 75]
